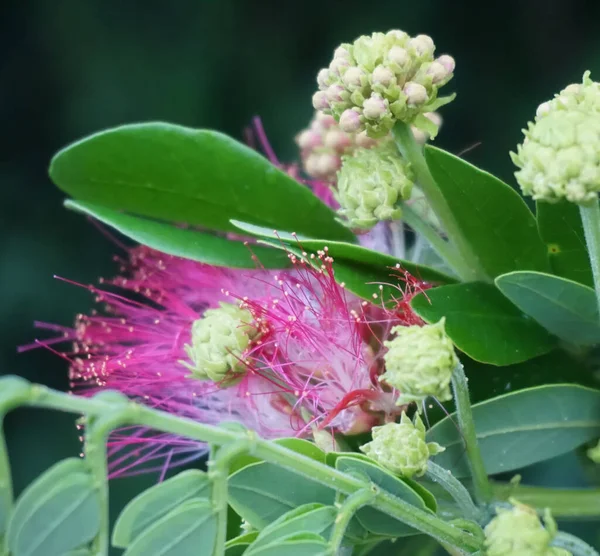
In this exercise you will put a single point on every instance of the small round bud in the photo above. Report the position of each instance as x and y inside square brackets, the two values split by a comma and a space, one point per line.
[364, 141]
[519, 530]
[323, 78]
[323, 121]
[218, 342]
[447, 61]
[415, 93]
[382, 76]
[335, 93]
[371, 184]
[397, 35]
[308, 139]
[594, 453]
[320, 101]
[375, 107]
[338, 65]
[337, 139]
[354, 78]
[419, 362]
[423, 45]
[401, 447]
[341, 52]
[437, 72]
[543, 109]
[350, 121]
[399, 56]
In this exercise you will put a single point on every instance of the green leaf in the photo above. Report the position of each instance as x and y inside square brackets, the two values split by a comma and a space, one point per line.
[191, 528]
[483, 323]
[157, 501]
[238, 545]
[499, 226]
[190, 176]
[522, 428]
[419, 545]
[565, 308]
[561, 229]
[262, 492]
[304, 447]
[57, 513]
[311, 518]
[372, 520]
[189, 244]
[304, 544]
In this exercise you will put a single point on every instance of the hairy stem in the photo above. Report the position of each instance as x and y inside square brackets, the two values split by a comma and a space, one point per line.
[590, 218]
[419, 519]
[413, 153]
[481, 483]
[346, 511]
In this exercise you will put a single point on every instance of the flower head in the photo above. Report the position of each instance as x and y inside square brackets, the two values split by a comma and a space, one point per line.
[519, 531]
[401, 447]
[281, 353]
[560, 156]
[371, 185]
[420, 361]
[381, 79]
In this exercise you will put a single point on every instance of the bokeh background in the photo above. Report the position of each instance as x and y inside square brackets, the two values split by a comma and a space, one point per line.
[72, 67]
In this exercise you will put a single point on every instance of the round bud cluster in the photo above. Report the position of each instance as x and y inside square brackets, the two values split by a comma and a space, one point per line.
[419, 362]
[218, 342]
[381, 79]
[519, 531]
[560, 156]
[371, 184]
[323, 144]
[401, 447]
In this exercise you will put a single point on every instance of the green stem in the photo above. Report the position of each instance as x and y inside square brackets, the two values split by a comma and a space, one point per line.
[483, 490]
[455, 489]
[563, 503]
[6, 488]
[590, 218]
[346, 511]
[444, 249]
[321, 473]
[413, 153]
[573, 544]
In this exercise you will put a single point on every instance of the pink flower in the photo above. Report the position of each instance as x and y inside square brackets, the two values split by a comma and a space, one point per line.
[315, 365]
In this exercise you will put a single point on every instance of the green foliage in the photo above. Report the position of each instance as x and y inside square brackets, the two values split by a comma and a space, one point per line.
[191, 176]
[499, 227]
[483, 323]
[537, 424]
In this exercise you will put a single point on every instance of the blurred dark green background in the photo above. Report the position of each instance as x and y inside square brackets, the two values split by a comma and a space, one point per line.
[72, 67]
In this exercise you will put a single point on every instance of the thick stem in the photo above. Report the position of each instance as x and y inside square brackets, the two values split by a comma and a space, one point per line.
[454, 488]
[6, 488]
[398, 242]
[562, 503]
[590, 218]
[422, 521]
[483, 490]
[444, 249]
[574, 545]
[346, 511]
[413, 154]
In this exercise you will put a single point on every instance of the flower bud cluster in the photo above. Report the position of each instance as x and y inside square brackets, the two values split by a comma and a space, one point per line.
[419, 362]
[381, 79]
[218, 342]
[401, 447]
[371, 184]
[560, 156]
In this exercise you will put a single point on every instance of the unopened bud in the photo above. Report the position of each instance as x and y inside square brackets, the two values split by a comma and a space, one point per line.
[350, 121]
[341, 52]
[337, 139]
[423, 45]
[320, 101]
[323, 78]
[437, 72]
[375, 107]
[447, 61]
[308, 139]
[354, 78]
[338, 65]
[415, 93]
[398, 56]
[382, 76]
[334, 93]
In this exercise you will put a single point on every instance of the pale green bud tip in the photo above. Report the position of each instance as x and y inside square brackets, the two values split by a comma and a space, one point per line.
[401, 447]
[419, 362]
[519, 531]
[594, 453]
[371, 184]
[559, 158]
[385, 77]
[218, 342]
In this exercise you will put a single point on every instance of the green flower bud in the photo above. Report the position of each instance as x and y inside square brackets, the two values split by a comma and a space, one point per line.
[371, 184]
[560, 156]
[519, 532]
[218, 342]
[419, 362]
[594, 453]
[385, 77]
[401, 447]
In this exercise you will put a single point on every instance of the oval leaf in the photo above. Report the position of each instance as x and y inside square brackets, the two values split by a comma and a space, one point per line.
[565, 308]
[498, 225]
[188, 244]
[305, 544]
[189, 529]
[561, 229]
[522, 428]
[64, 517]
[238, 545]
[157, 501]
[190, 176]
[483, 323]
[262, 492]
